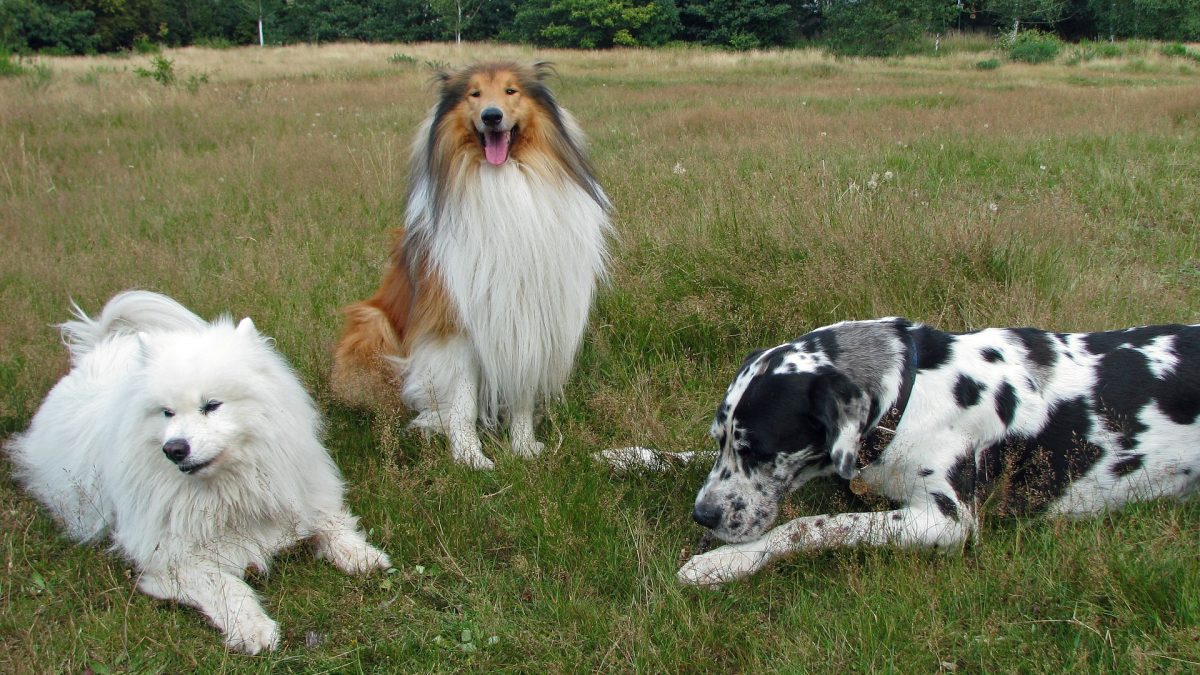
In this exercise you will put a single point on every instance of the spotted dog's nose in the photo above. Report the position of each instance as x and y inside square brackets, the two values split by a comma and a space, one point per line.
[492, 116]
[176, 449]
[707, 515]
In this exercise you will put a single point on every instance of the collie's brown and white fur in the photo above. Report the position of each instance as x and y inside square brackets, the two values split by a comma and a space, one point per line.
[486, 295]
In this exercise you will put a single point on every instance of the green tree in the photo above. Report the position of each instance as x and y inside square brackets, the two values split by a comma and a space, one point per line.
[1157, 19]
[1012, 14]
[744, 24]
[26, 25]
[882, 27]
[594, 24]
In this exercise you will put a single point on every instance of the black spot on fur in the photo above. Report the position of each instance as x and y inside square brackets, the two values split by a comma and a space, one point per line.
[1025, 475]
[946, 505]
[1103, 343]
[991, 355]
[933, 347]
[966, 391]
[787, 413]
[1006, 403]
[1038, 345]
[962, 478]
[1124, 386]
[897, 516]
[1127, 466]
[821, 341]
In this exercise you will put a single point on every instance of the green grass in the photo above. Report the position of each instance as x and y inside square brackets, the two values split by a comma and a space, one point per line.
[752, 206]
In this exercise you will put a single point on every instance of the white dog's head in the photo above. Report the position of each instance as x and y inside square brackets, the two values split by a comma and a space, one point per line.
[211, 395]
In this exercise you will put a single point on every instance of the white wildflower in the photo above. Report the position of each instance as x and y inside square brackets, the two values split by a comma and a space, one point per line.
[679, 170]
[993, 207]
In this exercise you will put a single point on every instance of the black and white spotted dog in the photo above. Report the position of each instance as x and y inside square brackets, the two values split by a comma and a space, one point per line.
[1033, 421]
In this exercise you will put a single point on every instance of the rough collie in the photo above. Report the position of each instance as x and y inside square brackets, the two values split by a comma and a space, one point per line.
[487, 291]
[196, 449]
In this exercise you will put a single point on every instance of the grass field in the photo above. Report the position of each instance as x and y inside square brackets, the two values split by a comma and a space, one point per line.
[758, 195]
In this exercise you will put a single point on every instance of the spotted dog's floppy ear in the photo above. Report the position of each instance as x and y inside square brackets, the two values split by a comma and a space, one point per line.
[841, 407]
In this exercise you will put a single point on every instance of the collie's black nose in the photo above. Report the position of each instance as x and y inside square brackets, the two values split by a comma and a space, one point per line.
[176, 449]
[707, 515]
[492, 116]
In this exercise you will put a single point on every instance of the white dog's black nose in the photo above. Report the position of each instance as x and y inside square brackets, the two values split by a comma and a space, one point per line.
[176, 449]
[707, 515]
[492, 116]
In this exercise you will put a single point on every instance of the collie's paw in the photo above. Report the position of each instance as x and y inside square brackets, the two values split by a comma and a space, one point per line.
[721, 565]
[251, 635]
[528, 448]
[474, 458]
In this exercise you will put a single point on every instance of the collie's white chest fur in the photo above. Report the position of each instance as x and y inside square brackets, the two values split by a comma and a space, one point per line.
[520, 256]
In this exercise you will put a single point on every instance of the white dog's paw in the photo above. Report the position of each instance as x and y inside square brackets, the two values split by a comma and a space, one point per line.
[528, 448]
[358, 557]
[251, 635]
[721, 565]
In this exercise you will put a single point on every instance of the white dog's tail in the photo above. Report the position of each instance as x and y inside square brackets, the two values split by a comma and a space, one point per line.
[127, 312]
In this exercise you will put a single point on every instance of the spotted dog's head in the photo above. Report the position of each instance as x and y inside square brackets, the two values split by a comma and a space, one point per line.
[790, 415]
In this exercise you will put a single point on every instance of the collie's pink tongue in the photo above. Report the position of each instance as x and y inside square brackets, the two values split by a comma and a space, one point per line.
[495, 146]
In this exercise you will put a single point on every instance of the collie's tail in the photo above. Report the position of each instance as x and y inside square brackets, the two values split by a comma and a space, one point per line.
[363, 373]
[127, 312]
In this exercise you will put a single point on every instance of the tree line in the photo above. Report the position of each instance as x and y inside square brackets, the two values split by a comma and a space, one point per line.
[846, 26]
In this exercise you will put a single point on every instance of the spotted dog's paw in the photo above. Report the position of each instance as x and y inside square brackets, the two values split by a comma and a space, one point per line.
[721, 565]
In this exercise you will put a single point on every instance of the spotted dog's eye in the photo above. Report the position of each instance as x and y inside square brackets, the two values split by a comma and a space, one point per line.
[474, 94]
[510, 91]
[167, 412]
[210, 406]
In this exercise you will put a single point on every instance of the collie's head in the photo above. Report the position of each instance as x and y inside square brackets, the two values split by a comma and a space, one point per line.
[492, 114]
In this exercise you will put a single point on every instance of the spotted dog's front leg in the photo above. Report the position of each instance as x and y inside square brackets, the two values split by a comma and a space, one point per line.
[926, 525]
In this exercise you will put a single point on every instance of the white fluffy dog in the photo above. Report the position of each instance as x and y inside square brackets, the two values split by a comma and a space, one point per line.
[197, 449]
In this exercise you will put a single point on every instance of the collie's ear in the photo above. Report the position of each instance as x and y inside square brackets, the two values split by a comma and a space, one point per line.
[246, 327]
[543, 69]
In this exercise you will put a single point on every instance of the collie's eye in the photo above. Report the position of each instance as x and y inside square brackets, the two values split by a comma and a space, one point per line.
[510, 91]
[210, 406]
[474, 94]
[167, 412]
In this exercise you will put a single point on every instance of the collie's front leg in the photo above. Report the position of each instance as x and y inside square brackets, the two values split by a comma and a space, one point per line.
[521, 432]
[443, 383]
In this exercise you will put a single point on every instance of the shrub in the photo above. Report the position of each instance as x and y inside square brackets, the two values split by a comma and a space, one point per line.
[988, 64]
[143, 45]
[1032, 46]
[162, 71]
[8, 67]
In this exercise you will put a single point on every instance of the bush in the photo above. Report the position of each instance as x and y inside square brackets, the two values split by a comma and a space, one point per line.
[8, 67]
[1033, 46]
[988, 64]
[162, 71]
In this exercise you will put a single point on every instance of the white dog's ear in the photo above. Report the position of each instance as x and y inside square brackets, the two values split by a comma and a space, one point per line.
[145, 345]
[842, 408]
[246, 327]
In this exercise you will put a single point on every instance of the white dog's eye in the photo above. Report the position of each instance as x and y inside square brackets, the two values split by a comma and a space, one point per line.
[167, 412]
[210, 406]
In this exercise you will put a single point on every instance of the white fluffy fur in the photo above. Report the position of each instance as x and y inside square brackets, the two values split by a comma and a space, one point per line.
[520, 255]
[94, 456]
